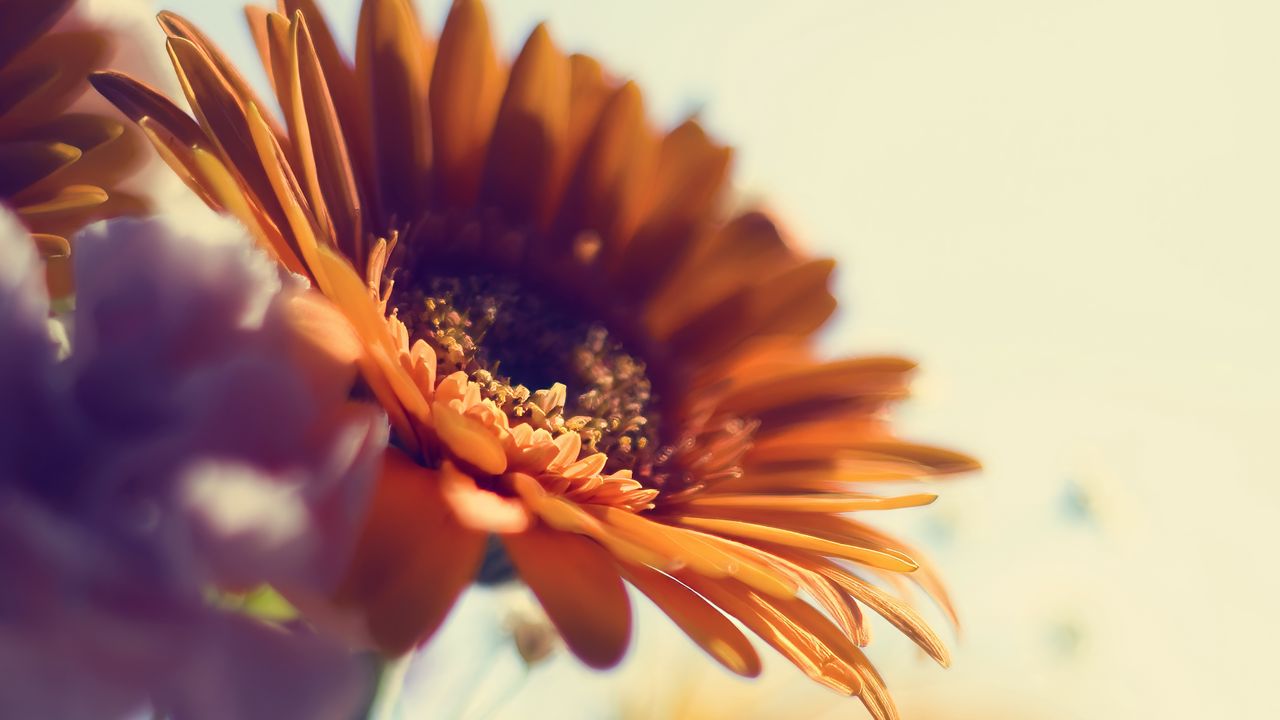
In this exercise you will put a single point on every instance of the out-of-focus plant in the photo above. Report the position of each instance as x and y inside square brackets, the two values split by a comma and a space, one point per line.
[174, 448]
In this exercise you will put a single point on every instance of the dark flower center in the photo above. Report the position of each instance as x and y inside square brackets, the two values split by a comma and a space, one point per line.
[537, 361]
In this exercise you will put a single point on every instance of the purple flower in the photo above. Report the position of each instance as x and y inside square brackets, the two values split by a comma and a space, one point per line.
[181, 445]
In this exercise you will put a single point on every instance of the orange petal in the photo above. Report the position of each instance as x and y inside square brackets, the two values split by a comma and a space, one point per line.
[109, 152]
[277, 31]
[176, 26]
[928, 459]
[257, 19]
[479, 509]
[321, 322]
[49, 76]
[51, 246]
[700, 620]
[468, 440]
[899, 613]
[844, 529]
[792, 627]
[466, 88]
[794, 302]
[797, 302]
[689, 179]
[335, 180]
[815, 502]
[26, 22]
[137, 100]
[214, 179]
[301, 223]
[387, 377]
[603, 194]
[27, 163]
[824, 476]
[67, 199]
[567, 516]
[702, 553]
[299, 118]
[838, 605]
[402, 576]
[327, 350]
[222, 115]
[882, 558]
[742, 252]
[395, 65]
[832, 422]
[926, 577]
[589, 91]
[876, 377]
[578, 585]
[526, 155]
[325, 45]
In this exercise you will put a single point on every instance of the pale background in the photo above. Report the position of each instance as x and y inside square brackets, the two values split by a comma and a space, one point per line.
[1067, 211]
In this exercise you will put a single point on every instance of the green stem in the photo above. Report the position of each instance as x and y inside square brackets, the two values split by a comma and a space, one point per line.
[390, 686]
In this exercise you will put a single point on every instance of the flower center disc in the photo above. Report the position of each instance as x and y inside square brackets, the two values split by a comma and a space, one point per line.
[538, 362]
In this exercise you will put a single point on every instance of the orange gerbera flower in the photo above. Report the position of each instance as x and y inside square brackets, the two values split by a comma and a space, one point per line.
[577, 351]
[61, 167]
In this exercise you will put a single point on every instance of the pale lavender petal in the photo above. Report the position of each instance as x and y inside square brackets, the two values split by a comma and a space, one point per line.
[183, 350]
[85, 624]
[26, 351]
[176, 448]
[253, 671]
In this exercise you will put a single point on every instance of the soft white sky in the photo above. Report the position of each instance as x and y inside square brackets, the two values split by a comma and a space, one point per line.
[1067, 211]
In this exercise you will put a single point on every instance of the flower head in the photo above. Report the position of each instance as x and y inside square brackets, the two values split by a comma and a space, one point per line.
[66, 156]
[578, 351]
[175, 449]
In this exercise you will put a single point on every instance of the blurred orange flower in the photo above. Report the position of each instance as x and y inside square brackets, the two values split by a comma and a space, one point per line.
[61, 164]
[578, 351]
